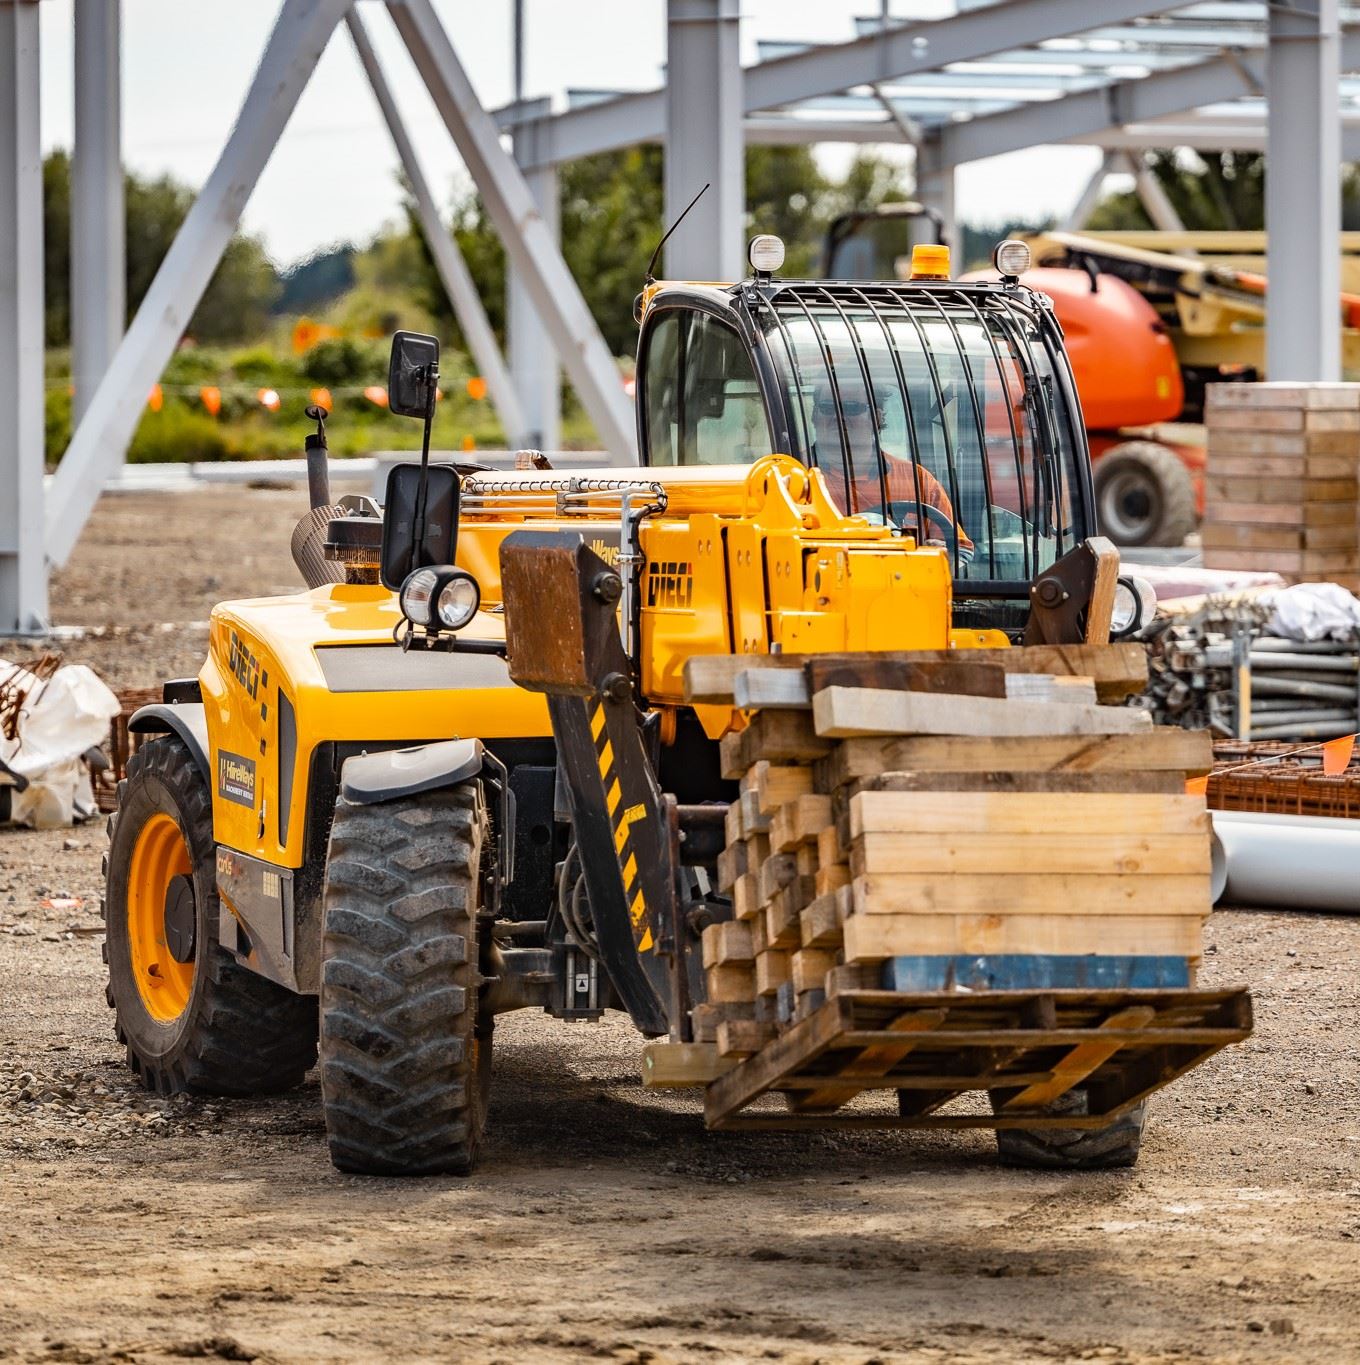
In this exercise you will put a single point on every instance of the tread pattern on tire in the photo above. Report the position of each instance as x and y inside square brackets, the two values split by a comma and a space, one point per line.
[401, 1059]
[241, 1034]
[1074, 1149]
[1173, 481]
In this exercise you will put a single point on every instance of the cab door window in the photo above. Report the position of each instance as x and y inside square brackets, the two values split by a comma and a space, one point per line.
[704, 405]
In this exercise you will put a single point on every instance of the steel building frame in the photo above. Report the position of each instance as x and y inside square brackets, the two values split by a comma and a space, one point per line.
[1122, 75]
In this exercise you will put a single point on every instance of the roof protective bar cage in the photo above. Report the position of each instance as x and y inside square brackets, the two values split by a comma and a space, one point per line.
[973, 378]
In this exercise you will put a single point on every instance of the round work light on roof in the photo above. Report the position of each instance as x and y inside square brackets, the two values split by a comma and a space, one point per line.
[766, 253]
[1011, 258]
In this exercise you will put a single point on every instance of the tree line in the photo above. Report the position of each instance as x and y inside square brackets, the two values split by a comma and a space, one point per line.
[611, 215]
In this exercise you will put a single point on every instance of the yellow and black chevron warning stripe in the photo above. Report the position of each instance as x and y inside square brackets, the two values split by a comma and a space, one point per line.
[621, 821]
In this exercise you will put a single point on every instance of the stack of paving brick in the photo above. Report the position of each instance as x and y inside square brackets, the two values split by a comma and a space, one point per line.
[883, 830]
[1282, 482]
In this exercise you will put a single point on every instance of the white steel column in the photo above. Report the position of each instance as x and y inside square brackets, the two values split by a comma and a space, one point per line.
[705, 143]
[448, 260]
[300, 35]
[23, 574]
[935, 189]
[98, 234]
[529, 245]
[1153, 197]
[1090, 196]
[533, 362]
[1303, 193]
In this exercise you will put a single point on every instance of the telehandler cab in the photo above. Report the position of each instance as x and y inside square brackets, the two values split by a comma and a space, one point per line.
[361, 825]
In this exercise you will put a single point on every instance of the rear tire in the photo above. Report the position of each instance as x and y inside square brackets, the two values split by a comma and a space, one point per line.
[405, 1067]
[1073, 1149]
[206, 1024]
[1144, 495]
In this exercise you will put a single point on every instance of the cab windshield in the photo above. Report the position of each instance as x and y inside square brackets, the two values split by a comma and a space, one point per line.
[940, 411]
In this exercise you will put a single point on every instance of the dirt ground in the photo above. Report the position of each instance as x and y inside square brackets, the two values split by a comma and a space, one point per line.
[604, 1223]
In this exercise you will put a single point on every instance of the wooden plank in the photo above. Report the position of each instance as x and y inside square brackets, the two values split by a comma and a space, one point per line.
[727, 942]
[1069, 895]
[681, 1066]
[874, 938]
[830, 878]
[772, 970]
[808, 968]
[741, 1037]
[800, 820]
[1044, 687]
[769, 689]
[1081, 1061]
[853, 976]
[1101, 606]
[1163, 749]
[732, 826]
[775, 873]
[873, 1062]
[753, 819]
[829, 847]
[775, 784]
[782, 922]
[848, 712]
[801, 1045]
[1120, 670]
[732, 983]
[1128, 783]
[820, 924]
[1076, 813]
[1067, 852]
[732, 863]
[746, 900]
[778, 736]
[964, 677]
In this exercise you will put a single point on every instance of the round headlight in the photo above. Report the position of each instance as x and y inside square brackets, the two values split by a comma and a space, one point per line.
[766, 253]
[1011, 258]
[458, 600]
[1135, 604]
[416, 597]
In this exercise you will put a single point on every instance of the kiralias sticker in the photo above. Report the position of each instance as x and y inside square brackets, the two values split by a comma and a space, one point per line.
[236, 778]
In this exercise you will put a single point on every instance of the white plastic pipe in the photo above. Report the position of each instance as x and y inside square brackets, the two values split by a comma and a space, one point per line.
[1291, 862]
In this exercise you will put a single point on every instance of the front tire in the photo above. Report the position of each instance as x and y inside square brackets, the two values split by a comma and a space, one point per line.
[1074, 1149]
[190, 1016]
[404, 1064]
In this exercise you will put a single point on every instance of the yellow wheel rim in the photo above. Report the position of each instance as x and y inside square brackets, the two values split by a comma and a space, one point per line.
[159, 855]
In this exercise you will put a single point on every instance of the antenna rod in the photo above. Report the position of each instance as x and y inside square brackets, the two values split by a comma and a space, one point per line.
[671, 229]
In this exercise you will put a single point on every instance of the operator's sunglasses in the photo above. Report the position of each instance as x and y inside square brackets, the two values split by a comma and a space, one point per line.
[850, 407]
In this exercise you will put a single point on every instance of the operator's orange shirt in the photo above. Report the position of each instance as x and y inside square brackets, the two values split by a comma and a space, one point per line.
[904, 478]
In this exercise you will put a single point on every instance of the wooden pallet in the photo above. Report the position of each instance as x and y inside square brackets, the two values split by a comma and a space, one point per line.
[1027, 1047]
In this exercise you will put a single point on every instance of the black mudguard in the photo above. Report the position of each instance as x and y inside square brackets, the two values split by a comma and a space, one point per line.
[188, 720]
[367, 779]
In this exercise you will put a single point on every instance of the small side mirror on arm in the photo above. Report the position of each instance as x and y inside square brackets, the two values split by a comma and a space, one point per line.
[412, 374]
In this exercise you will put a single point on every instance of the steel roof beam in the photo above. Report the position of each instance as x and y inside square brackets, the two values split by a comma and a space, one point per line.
[879, 57]
[1090, 113]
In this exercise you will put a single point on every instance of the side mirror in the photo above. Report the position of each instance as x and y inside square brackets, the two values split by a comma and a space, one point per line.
[420, 519]
[411, 374]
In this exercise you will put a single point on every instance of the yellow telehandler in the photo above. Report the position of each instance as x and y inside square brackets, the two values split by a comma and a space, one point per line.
[362, 825]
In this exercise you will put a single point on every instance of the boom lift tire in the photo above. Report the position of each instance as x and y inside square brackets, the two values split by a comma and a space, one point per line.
[1073, 1149]
[203, 1023]
[1144, 495]
[405, 1067]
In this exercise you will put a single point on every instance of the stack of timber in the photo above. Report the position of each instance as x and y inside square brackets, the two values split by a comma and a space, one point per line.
[920, 822]
[1282, 479]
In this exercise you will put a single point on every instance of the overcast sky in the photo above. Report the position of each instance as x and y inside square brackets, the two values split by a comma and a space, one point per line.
[187, 64]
